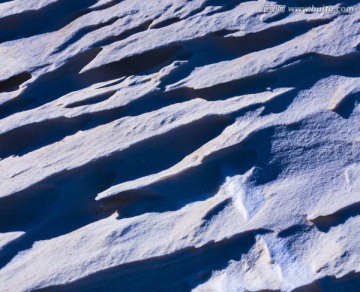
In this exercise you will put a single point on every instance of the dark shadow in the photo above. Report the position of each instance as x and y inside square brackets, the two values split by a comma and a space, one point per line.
[66, 79]
[179, 271]
[294, 230]
[324, 223]
[349, 282]
[76, 206]
[198, 183]
[125, 34]
[27, 209]
[284, 75]
[82, 32]
[30, 137]
[223, 6]
[166, 22]
[13, 83]
[348, 105]
[92, 100]
[216, 210]
[50, 85]
[133, 65]
[217, 47]
[98, 8]
[48, 18]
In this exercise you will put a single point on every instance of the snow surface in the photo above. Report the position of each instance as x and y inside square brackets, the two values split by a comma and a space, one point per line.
[180, 145]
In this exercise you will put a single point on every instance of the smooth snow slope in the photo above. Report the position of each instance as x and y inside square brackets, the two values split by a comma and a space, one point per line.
[200, 145]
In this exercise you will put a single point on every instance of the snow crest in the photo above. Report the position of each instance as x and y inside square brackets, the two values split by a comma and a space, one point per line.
[179, 145]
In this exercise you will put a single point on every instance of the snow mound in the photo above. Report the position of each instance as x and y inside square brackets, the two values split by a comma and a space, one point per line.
[179, 145]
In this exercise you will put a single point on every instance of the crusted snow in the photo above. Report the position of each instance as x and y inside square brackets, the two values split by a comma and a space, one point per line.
[178, 145]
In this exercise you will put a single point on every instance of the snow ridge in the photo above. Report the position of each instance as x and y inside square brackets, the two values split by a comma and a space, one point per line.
[179, 145]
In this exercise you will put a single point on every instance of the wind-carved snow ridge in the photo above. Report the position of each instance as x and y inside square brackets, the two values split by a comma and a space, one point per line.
[179, 145]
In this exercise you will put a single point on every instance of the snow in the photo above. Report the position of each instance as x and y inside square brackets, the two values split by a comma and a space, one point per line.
[178, 145]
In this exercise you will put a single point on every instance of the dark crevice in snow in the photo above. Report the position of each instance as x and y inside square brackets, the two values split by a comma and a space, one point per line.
[294, 230]
[66, 78]
[50, 85]
[324, 223]
[165, 22]
[348, 104]
[127, 33]
[92, 100]
[13, 83]
[133, 65]
[98, 8]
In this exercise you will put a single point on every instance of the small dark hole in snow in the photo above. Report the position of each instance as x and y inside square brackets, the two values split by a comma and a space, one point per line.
[13, 83]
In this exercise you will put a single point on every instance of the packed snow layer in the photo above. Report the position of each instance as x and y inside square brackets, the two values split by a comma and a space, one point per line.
[181, 145]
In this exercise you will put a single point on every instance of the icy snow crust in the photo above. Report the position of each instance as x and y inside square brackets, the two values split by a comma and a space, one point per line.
[178, 146]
